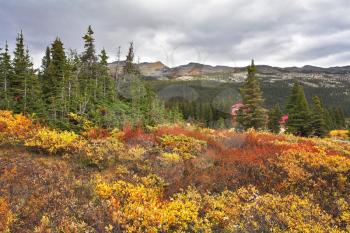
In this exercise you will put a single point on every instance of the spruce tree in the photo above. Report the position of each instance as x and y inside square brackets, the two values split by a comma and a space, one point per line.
[298, 112]
[24, 86]
[88, 79]
[340, 117]
[329, 119]
[46, 59]
[5, 75]
[20, 75]
[44, 75]
[335, 117]
[54, 84]
[72, 68]
[318, 120]
[275, 115]
[130, 67]
[89, 55]
[34, 101]
[106, 88]
[252, 114]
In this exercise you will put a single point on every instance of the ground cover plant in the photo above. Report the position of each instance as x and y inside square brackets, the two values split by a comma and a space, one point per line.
[169, 178]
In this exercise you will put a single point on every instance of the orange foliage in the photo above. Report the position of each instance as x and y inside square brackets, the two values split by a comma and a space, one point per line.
[5, 215]
[135, 135]
[249, 148]
[15, 127]
[97, 133]
[179, 130]
[305, 179]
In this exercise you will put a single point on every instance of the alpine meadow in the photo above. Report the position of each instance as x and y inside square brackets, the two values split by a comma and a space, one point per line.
[174, 116]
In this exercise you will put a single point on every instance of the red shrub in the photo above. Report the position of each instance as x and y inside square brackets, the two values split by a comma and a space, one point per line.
[136, 135]
[97, 133]
[304, 145]
[245, 148]
[260, 139]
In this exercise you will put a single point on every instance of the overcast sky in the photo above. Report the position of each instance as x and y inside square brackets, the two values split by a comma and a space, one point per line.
[222, 32]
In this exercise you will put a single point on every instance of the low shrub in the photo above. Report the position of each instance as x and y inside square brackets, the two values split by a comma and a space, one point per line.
[53, 141]
[15, 128]
[134, 153]
[96, 133]
[178, 130]
[170, 157]
[100, 152]
[340, 134]
[186, 147]
[140, 208]
[135, 136]
[79, 123]
[272, 213]
[6, 216]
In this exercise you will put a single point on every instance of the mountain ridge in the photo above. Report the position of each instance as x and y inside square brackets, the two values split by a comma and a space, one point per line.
[159, 69]
[331, 84]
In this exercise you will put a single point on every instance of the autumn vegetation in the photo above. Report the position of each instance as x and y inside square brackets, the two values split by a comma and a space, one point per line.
[169, 178]
[84, 151]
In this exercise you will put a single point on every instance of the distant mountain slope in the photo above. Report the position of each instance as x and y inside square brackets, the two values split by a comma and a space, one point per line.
[331, 84]
[158, 69]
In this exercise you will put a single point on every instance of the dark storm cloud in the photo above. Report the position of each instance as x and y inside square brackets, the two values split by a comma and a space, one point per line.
[289, 32]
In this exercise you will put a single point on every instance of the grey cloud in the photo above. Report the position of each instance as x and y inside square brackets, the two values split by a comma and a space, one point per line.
[289, 32]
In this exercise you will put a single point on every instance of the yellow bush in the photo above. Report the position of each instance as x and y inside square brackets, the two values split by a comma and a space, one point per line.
[81, 122]
[53, 141]
[186, 147]
[171, 157]
[120, 169]
[139, 208]
[135, 153]
[100, 152]
[272, 213]
[344, 217]
[247, 211]
[14, 128]
[44, 225]
[340, 134]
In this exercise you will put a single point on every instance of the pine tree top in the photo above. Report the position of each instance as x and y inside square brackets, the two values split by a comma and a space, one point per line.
[103, 57]
[89, 53]
[252, 67]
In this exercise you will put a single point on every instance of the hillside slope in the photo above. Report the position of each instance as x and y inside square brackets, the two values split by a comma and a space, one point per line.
[172, 178]
[332, 84]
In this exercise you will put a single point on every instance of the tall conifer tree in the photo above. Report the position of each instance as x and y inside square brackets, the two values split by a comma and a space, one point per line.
[5, 75]
[252, 114]
[54, 83]
[24, 86]
[130, 67]
[298, 112]
[318, 118]
[88, 79]
[106, 88]
[275, 115]
[43, 74]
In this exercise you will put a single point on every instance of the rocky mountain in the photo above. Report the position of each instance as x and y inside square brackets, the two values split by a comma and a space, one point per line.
[309, 75]
[331, 84]
[159, 70]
